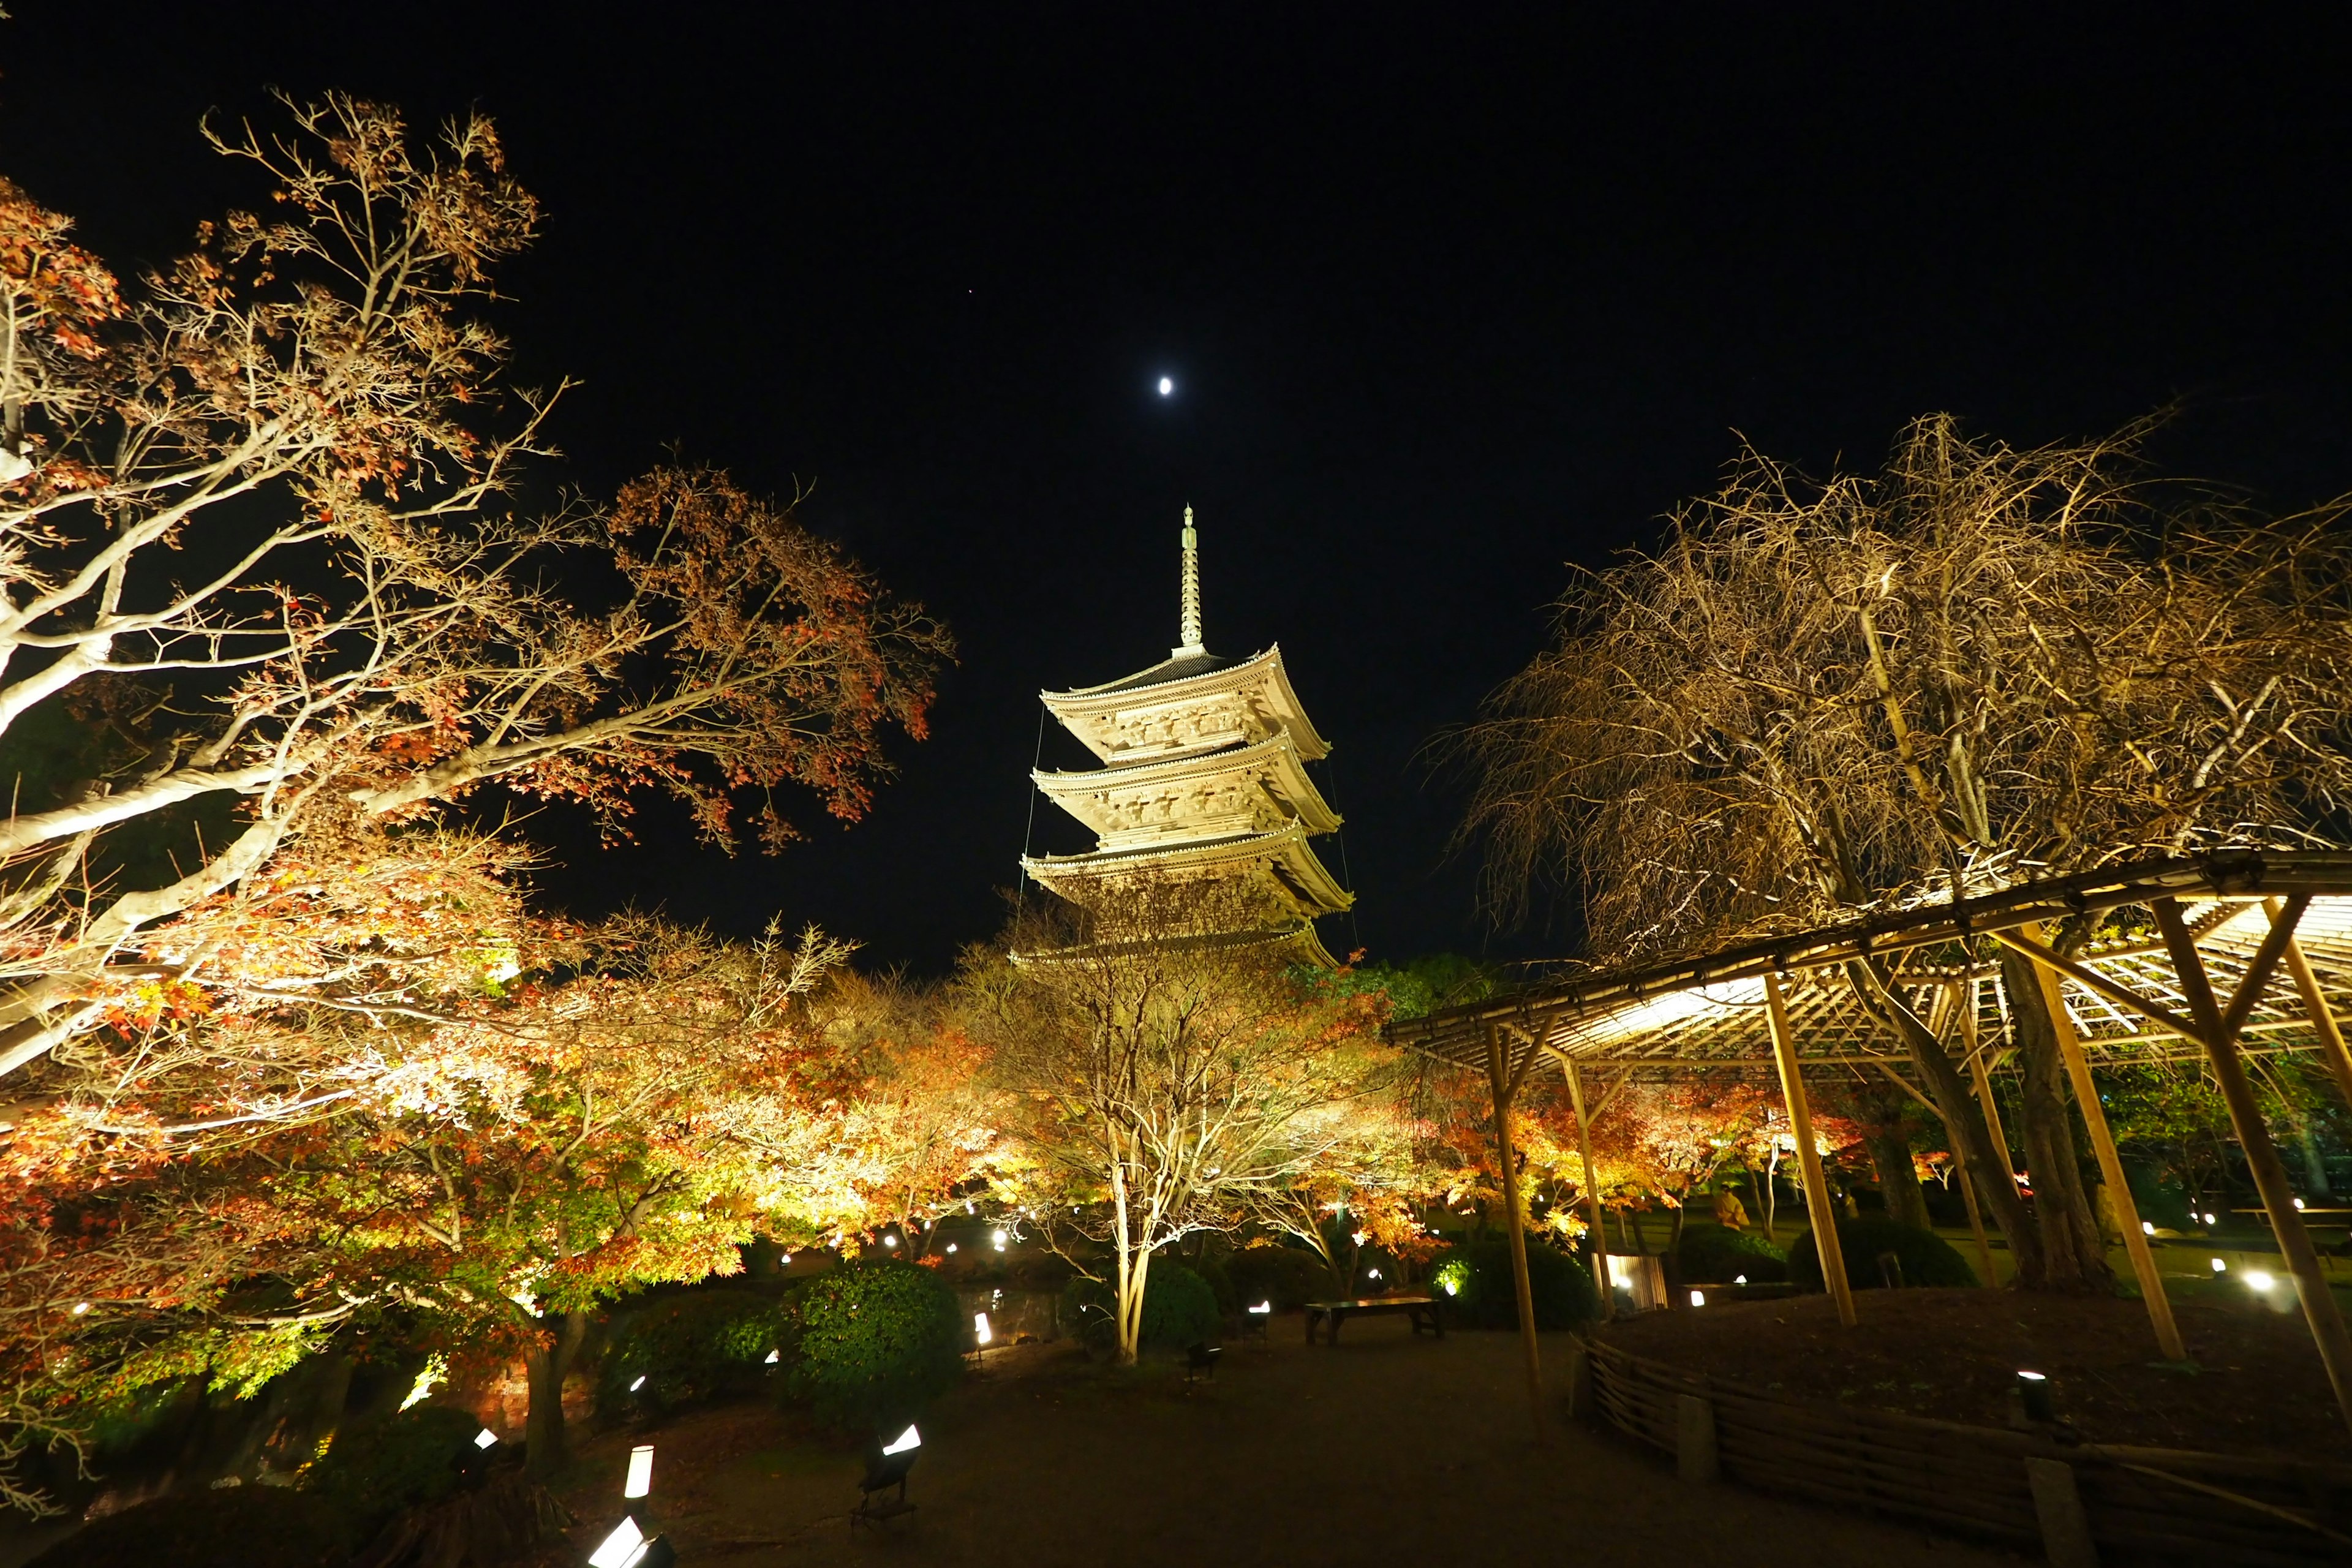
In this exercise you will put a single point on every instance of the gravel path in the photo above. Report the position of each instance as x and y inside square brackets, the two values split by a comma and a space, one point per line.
[1389, 1448]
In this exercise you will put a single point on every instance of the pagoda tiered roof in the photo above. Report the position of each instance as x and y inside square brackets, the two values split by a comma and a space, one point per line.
[1187, 703]
[1242, 789]
[1204, 779]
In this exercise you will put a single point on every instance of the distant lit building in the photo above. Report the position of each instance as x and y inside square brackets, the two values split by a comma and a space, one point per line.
[1203, 776]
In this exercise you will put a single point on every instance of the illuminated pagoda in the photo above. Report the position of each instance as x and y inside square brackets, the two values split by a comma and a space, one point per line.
[1203, 776]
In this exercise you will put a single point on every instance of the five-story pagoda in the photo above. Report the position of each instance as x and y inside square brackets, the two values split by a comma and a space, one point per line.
[1203, 779]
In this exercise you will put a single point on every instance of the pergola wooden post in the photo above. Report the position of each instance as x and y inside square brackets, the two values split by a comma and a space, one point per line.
[1809, 1159]
[2111, 1164]
[2323, 1018]
[2221, 1032]
[1591, 1186]
[1504, 1080]
[1983, 1076]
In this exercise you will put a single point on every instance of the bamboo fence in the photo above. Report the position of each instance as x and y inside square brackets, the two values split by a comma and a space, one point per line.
[2078, 1503]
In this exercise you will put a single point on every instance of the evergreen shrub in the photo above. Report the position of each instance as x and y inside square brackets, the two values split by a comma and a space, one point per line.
[1717, 1255]
[1484, 1295]
[1289, 1276]
[878, 1340]
[374, 1472]
[1180, 1309]
[235, 1527]
[695, 1345]
[1928, 1258]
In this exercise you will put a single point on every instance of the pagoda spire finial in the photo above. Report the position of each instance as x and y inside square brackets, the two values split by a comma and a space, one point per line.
[1188, 627]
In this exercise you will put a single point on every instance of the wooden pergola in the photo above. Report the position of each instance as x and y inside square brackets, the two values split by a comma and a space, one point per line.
[2251, 955]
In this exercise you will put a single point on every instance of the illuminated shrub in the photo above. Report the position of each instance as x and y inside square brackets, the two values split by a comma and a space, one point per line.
[1289, 1276]
[1928, 1258]
[1180, 1309]
[878, 1340]
[696, 1345]
[1485, 1296]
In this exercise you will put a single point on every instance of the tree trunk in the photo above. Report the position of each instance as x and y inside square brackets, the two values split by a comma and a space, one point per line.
[1988, 1168]
[1898, 1175]
[2314, 1167]
[548, 1361]
[1134, 1272]
[2073, 1255]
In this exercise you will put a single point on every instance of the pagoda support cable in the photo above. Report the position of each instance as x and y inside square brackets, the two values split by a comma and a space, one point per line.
[1029, 834]
[2323, 1018]
[2111, 1164]
[2319, 1308]
[1592, 1185]
[1505, 1081]
[1809, 1158]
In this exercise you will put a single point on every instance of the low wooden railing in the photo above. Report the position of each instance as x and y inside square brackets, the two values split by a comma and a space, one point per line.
[2081, 1504]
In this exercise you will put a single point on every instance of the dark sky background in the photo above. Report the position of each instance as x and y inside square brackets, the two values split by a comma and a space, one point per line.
[1451, 302]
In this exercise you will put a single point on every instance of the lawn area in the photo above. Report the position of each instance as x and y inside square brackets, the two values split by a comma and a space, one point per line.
[1388, 1448]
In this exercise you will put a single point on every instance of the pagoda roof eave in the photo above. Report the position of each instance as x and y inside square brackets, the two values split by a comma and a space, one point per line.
[1277, 757]
[1287, 847]
[1200, 676]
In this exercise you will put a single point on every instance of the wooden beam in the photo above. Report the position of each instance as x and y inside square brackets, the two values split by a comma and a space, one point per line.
[1809, 1159]
[2111, 1164]
[2323, 1018]
[1506, 1085]
[2090, 979]
[1592, 1185]
[2319, 1309]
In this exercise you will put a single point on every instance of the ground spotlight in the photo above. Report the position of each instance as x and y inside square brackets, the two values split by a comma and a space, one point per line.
[1698, 1298]
[641, 1473]
[979, 1331]
[2034, 1389]
[628, 1547]
[639, 1383]
[775, 1356]
[486, 1438]
[2260, 1280]
[2220, 1267]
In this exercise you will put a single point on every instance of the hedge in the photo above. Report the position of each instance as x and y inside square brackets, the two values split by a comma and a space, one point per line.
[1928, 1258]
[878, 1340]
[1474, 1280]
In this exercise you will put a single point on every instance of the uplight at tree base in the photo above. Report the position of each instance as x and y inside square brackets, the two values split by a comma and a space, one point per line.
[907, 1440]
[980, 1328]
[640, 1481]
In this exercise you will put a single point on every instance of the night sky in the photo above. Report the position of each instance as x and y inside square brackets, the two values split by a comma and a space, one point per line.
[1450, 305]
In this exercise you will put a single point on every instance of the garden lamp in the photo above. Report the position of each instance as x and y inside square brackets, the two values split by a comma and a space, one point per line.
[2033, 1387]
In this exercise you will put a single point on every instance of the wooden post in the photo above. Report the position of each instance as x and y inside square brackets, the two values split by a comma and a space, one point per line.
[2323, 1018]
[1506, 1085]
[1592, 1189]
[2067, 1539]
[1809, 1159]
[2319, 1309]
[1697, 1457]
[1984, 1086]
[2111, 1164]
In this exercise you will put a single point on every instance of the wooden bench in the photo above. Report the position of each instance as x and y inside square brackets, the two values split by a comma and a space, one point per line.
[1422, 1310]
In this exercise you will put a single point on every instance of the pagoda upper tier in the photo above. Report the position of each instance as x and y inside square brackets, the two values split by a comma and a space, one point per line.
[1204, 778]
[1190, 702]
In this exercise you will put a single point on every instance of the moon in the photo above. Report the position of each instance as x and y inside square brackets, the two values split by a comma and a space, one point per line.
[1167, 385]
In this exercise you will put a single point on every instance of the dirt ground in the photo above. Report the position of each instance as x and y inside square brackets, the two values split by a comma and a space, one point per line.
[1388, 1448]
[2258, 1387]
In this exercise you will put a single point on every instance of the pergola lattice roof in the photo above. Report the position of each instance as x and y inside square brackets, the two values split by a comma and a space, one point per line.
[1708, 1012]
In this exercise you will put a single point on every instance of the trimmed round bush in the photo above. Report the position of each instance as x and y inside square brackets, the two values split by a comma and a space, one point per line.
[1928, 1258]
[878, 1340]
[1289, 1276]
[1474, 1280]
[695, 1345]
[1180, 1309]
[235, 1527]
[1715, 1255]
[374, 1472]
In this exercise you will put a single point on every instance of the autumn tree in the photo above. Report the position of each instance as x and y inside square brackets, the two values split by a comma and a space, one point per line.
[261, 574]
[1979, 665]
[1166, 1075]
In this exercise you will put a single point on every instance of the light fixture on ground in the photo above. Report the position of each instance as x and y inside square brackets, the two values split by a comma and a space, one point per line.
[640, 1382]
[1739, 1279]
[2259, 1280]
[2147, 1227]
[775, 1356]
[486, 1438]
[2033, 1388]
[2220, 1267]
[888, 1467]
[979, 1331]
[998, 1237]
[640, 1479]
[628, 1547]
[890, 1241]
[1263, 1309]
[1698, 1298]
[952, 1246]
